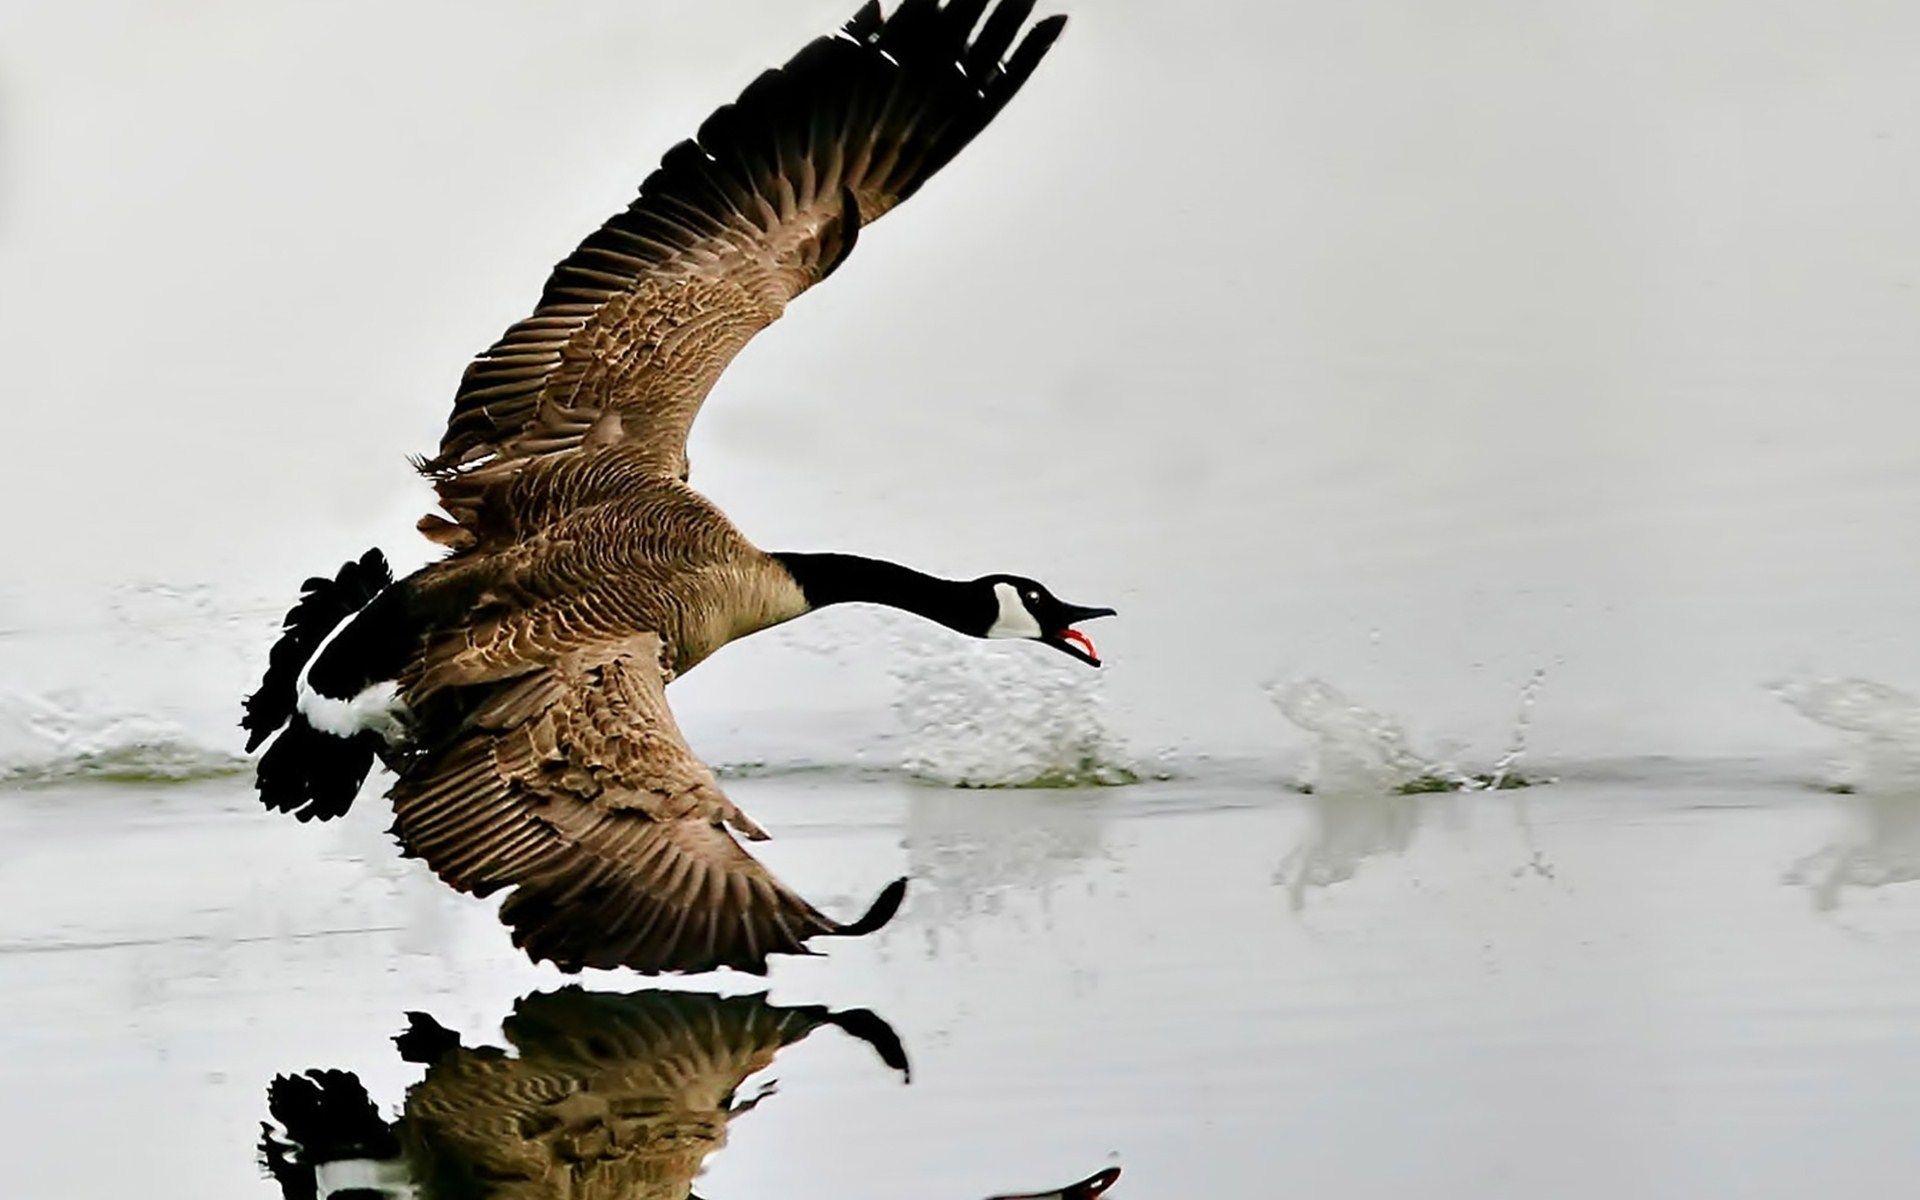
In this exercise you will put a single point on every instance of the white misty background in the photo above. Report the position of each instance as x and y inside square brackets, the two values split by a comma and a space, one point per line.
[1412, 347]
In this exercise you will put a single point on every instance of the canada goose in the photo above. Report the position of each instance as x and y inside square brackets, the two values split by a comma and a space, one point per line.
[602, 1094]
[516, 687]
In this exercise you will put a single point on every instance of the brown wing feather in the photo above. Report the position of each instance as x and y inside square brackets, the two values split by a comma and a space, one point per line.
[573, 786]
[635, 326]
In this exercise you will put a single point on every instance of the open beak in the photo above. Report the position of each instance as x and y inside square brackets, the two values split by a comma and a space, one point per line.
[1070, 640]
[1086, 1189]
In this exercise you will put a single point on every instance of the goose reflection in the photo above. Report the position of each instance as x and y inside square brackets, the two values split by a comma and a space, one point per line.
[598, 1096]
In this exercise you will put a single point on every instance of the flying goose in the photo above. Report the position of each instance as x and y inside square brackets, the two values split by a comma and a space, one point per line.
[517, 686]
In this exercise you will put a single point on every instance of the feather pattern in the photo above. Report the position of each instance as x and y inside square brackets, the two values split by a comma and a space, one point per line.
[586, 574]
[573, 786]
[635, 326]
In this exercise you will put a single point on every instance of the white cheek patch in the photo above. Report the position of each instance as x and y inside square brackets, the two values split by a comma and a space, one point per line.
[1014, 620]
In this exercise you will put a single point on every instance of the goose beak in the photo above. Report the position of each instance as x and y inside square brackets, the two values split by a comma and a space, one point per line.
[1071, 641]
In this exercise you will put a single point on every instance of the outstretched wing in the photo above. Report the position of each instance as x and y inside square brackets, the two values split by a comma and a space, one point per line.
[636, 325]
[573, 786]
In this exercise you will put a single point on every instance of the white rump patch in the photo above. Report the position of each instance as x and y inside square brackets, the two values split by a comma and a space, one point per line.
[1014, 620]
[386, 1176]
[376, 707]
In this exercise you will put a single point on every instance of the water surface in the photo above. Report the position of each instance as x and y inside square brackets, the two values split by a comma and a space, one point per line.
[1638, 980]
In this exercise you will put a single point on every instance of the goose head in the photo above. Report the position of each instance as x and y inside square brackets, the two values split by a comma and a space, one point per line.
[1024, 608]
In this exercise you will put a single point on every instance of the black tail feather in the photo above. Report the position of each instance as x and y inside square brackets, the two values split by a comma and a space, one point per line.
[879, 912]
[323, 604]
[305, 772]
[312, 774]
[326, 1116]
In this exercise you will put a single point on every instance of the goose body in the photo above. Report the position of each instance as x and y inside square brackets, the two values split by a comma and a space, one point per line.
[517, 686]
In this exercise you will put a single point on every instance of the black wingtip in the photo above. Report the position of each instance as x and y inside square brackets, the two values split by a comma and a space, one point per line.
[963, 15]
[862, 24]
[1002, 24]
[885, 905]
[1026, 57]
[1042, 36]
[869, 1027]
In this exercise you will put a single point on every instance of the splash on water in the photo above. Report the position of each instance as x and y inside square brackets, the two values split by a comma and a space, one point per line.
[49, 739]
[1878, 772]
[137, 683]
[1357, 748]
[1000, 716]
[1369, 784]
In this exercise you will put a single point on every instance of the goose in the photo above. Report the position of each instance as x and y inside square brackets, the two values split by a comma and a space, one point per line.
[598, 1094]
[516, 686]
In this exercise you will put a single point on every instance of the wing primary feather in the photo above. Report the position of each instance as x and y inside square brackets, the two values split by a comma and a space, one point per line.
[862, 25]
[733, 225]
[997, 34]
[881, 911]
[1032, 49]
[963, 15]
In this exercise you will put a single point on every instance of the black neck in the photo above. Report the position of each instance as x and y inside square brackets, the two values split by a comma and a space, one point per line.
[842, 578]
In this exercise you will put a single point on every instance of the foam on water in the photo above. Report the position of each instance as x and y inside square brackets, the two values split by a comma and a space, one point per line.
[1878, 771]
[138, 682]
[46, 739]
[1354, 748]
[1357, 748]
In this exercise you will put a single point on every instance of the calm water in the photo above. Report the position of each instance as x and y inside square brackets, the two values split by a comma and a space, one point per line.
[1648, 980]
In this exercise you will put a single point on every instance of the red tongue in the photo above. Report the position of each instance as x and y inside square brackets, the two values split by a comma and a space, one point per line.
[1083, 641]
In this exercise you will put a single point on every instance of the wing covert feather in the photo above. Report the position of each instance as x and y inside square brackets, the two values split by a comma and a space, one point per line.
[573, 786]
[635, 326]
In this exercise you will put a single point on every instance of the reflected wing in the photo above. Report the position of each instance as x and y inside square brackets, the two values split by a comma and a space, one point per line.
[607, 1095]
[573, 786]
[636, 325]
